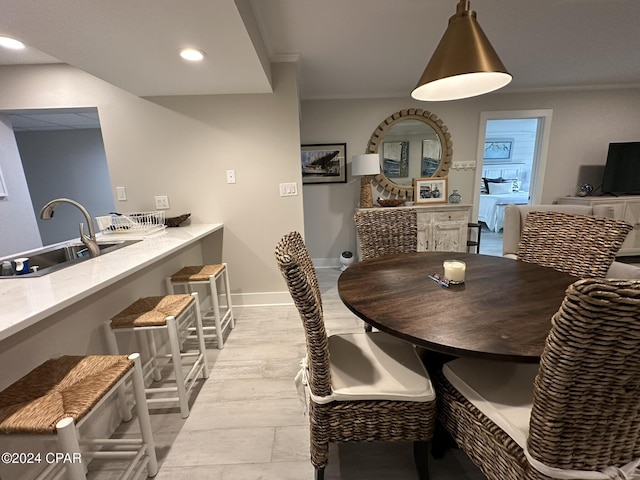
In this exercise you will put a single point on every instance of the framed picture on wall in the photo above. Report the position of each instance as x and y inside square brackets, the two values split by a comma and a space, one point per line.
[324, 163]
[430, 190]
[498, 150]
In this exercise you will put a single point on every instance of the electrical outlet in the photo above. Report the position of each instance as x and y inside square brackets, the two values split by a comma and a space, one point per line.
[162, 202]
[121, 193]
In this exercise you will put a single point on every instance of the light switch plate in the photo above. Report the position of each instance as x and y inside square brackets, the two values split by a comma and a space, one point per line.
[288, 189]
[121, 193]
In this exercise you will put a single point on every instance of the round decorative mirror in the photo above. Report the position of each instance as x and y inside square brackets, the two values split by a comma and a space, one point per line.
[412, 143]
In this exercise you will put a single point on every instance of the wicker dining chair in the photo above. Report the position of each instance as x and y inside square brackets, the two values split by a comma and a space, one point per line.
[384, 232]
[582, 245]
[363, 387]
[578, 410]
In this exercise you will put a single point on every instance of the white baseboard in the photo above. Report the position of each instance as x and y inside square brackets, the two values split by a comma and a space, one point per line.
[261, 299]
[276, 298]
[326, 262]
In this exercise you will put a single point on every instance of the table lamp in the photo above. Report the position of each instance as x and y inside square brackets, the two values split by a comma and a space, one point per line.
[366, 166]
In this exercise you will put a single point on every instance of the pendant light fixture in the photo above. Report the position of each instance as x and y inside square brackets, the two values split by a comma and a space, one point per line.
[464, 63]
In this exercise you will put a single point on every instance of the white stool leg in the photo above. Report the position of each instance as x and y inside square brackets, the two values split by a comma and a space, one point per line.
[216, 311]
[112, 348]
[200, 334]
[174, 344]
[169, 285]
[153, 354]
[143, 414]
[227, 291]
[68, 444]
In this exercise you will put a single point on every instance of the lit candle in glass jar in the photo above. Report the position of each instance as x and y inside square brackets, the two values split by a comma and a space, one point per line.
[454, 271]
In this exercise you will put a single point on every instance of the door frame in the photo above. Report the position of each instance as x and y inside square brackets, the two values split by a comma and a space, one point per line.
[540, 153]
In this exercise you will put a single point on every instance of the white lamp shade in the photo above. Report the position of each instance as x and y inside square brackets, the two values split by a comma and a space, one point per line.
[365, 164]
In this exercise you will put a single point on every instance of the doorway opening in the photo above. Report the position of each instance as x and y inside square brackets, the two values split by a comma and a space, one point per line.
[510, 164]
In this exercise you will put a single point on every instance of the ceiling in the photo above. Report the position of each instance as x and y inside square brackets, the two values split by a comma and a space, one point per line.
[346, 48]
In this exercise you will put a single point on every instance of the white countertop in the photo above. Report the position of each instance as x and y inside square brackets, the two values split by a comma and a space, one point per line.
[25, 301]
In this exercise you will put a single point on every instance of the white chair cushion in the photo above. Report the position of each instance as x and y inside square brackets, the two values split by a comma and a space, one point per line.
[377, 366]
[502, 391]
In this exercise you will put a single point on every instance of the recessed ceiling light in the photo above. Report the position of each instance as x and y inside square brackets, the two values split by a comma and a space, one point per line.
[11, 43]
[191, 54]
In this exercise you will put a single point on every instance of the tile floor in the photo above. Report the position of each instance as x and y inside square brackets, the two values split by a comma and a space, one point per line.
[247, 423]
[490, 242]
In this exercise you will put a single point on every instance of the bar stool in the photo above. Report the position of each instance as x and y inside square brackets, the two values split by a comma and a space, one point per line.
[175, 315]
[54, 400]
[208, 275]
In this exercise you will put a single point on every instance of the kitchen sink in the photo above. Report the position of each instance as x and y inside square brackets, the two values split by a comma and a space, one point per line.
[56, 257]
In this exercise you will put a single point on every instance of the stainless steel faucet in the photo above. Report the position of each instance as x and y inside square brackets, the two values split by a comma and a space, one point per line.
[88, 240]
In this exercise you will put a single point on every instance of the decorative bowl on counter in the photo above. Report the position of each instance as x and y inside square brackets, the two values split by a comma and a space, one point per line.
[176, 221]
[391, 202]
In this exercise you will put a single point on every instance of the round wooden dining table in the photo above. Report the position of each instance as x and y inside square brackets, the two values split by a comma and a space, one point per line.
[502, 311]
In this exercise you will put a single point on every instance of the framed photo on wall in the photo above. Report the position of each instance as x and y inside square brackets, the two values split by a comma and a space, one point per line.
[430, 190]
[498, 150]
[324, 163]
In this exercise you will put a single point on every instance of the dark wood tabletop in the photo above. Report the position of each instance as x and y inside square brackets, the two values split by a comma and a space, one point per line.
[502, 311]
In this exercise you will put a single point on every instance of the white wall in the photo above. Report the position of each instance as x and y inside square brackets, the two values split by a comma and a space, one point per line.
[17, 222]
[584, 122]
[182, 147]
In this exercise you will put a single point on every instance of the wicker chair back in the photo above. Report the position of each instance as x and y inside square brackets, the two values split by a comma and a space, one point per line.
[586, 410]
[298, 271]
[384, 232]
[582, 245]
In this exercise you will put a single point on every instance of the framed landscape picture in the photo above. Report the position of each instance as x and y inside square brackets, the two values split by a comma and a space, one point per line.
[497, 150]
[324, 163]
[430, 190]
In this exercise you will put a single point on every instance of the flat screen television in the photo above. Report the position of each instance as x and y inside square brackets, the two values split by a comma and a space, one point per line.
[622, 171]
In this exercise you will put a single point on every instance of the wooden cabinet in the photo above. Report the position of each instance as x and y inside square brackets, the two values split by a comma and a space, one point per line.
[443, 231]
[626, 208]
[441, 228]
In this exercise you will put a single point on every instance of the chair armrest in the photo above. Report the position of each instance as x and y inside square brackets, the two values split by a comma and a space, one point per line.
[511, 230]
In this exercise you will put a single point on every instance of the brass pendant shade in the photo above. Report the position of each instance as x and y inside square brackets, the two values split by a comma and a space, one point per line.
[464, 63]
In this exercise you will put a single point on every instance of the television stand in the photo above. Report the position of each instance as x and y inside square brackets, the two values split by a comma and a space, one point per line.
[626, 207]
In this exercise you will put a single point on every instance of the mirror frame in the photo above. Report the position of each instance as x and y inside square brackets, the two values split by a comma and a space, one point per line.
[431, 120]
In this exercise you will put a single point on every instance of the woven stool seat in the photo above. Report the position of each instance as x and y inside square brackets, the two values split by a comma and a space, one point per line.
[215, 318]
[68, 386]
[171, 317]
[199, 273]
[151, 311]
[56, 399]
